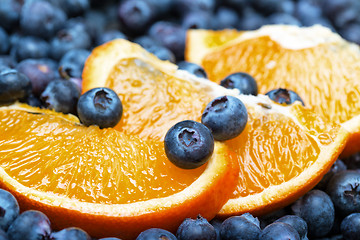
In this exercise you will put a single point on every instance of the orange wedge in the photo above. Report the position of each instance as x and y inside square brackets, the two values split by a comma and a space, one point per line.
[282, 153]
[316, 63]
[102, 180]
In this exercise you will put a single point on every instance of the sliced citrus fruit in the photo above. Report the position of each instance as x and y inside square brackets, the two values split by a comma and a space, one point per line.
[314, 62]
[102, 180]
[282, 153]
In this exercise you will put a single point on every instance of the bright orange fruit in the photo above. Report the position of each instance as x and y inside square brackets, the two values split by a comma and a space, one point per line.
[314, 62]
[102, 180]
[282, 153]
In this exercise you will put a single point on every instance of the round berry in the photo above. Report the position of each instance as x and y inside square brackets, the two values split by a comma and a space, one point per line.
[350, 227]
[72, 63]
[188, 144]
[297, 223]
[282, 96]
[242, 81]
[100, 106]
[243, 227]
[192, 68]
[226, 117]
[156, 233]
[72, 233]
[338, 166]
[192, 229]
[13, 86]
[9, 209]
[279, 231]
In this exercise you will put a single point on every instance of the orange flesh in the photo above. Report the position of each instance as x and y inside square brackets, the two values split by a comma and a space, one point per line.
[325, 76]
[50, 154]
[146, 91]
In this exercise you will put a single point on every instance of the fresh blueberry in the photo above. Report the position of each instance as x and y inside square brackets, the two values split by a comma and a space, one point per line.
[162, 7]
[109, 35]
[240, 227]
[237, 5]
[3, 235]
[10, 14]
[162, 53]
[100, 106]
[242, 81]
[39, 71]
[216, 223]
[251, 20]
[72, 63]
[41, 18]
[338, 166]
[72, 233]
[344, 190]
[9, 209]
[170, 35]
[287, 6]
[61, 96]
[73, 8]
[146, 41]
[351, 33]
[273, 216]
[33, 101]
[68, 39]
[353, 162]
[283, 18]
[30, 225]
[197, 20]
[350, 227]
[297, 223]
[225, 17]
[13, 86]
[5, 41]
[306, 10]
[317, 209]
[7, 62]
[279, 231]
[186, 6]
[156, 233]
[196, 229]
[30, 47]
[267, 7]
[346, 13]
[226, 117]
[188, 144]
[282, 96]
[95, 22]
[193, 68]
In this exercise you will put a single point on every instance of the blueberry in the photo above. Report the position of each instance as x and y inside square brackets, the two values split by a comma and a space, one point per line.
[72, 233]
[216, 223]
[61, 96]
[344, 190]
[306, 10]
[197, 20]
[350, 227]
[351, 33]
[109, 35]
[41, 18]
[30, 225]
[13, 86]
[188, 144]
[242, 81]
[338, 166]
[9, 209]
[39, 71]
[273, 216]
[226, 117]
[170, 35]
[95, 22]
[196, 229]
[7, 62]
[72, 63]
[162, 7]
[225, 18]
[317, 209]
[283, 18]
[3, 235]
[186, 6]
[30, 47]
[297, 223]
[251, 20]
[146, 41]
[10, 14]
[279, 231]
[110, 238]
[267, 7]
[193, 68]
[33, 101]
[282, 96]
[162, 53]
[156, 233]
[100, 106]
[240, 228]
[5, 41]
[353, 162]
[73, 8]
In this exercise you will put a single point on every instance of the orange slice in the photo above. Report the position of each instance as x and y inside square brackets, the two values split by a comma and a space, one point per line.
[316, 63]
[102, 180]
[282, 153]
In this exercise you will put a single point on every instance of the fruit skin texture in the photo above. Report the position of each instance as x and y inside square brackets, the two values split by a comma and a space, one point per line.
[344, 190]
[30, 225]
[279, 231]
[196, 229]
[188, 144]
[240, 228]
[100, 106]
[282, 96]
[317, 209]
[350, 227]
[226, 117]
[242, 81]
[72, 233]
[13, 86]
[9, 209]
[297, 223]
[156, 233]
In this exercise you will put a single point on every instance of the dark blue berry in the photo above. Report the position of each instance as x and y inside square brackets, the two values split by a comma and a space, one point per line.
[61, 96]
[188, 144]
[7, 62]
[196, 229]
[283, 18]
[338, 166]
[197, 20]
[242, 81]
[39, 71]
[72, 233]
[10, 14]
[240, 227]
[193, 68]
[344, 190]
[351, 32]
[297, 223]
[41, 18]
[146, 41]
[13, 86]
[350, 227]
[33, 101]
[284, 96]
[226, 117]
[267, 7]
[109, 35]
[216, 223]
[156, 233]
[30, 225]
[186, 6]
[273, 216]
[238, 5]
[317, 209]
[3, 235]
[99, 106]
[162, 53]
[73, 8]
[95, 22]
[353, 162]
[9, 209]
[225, 18]
[251, 20]
[110, 238]
[30, 47]
[279, 231]
[72, 63]
[5, 41]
